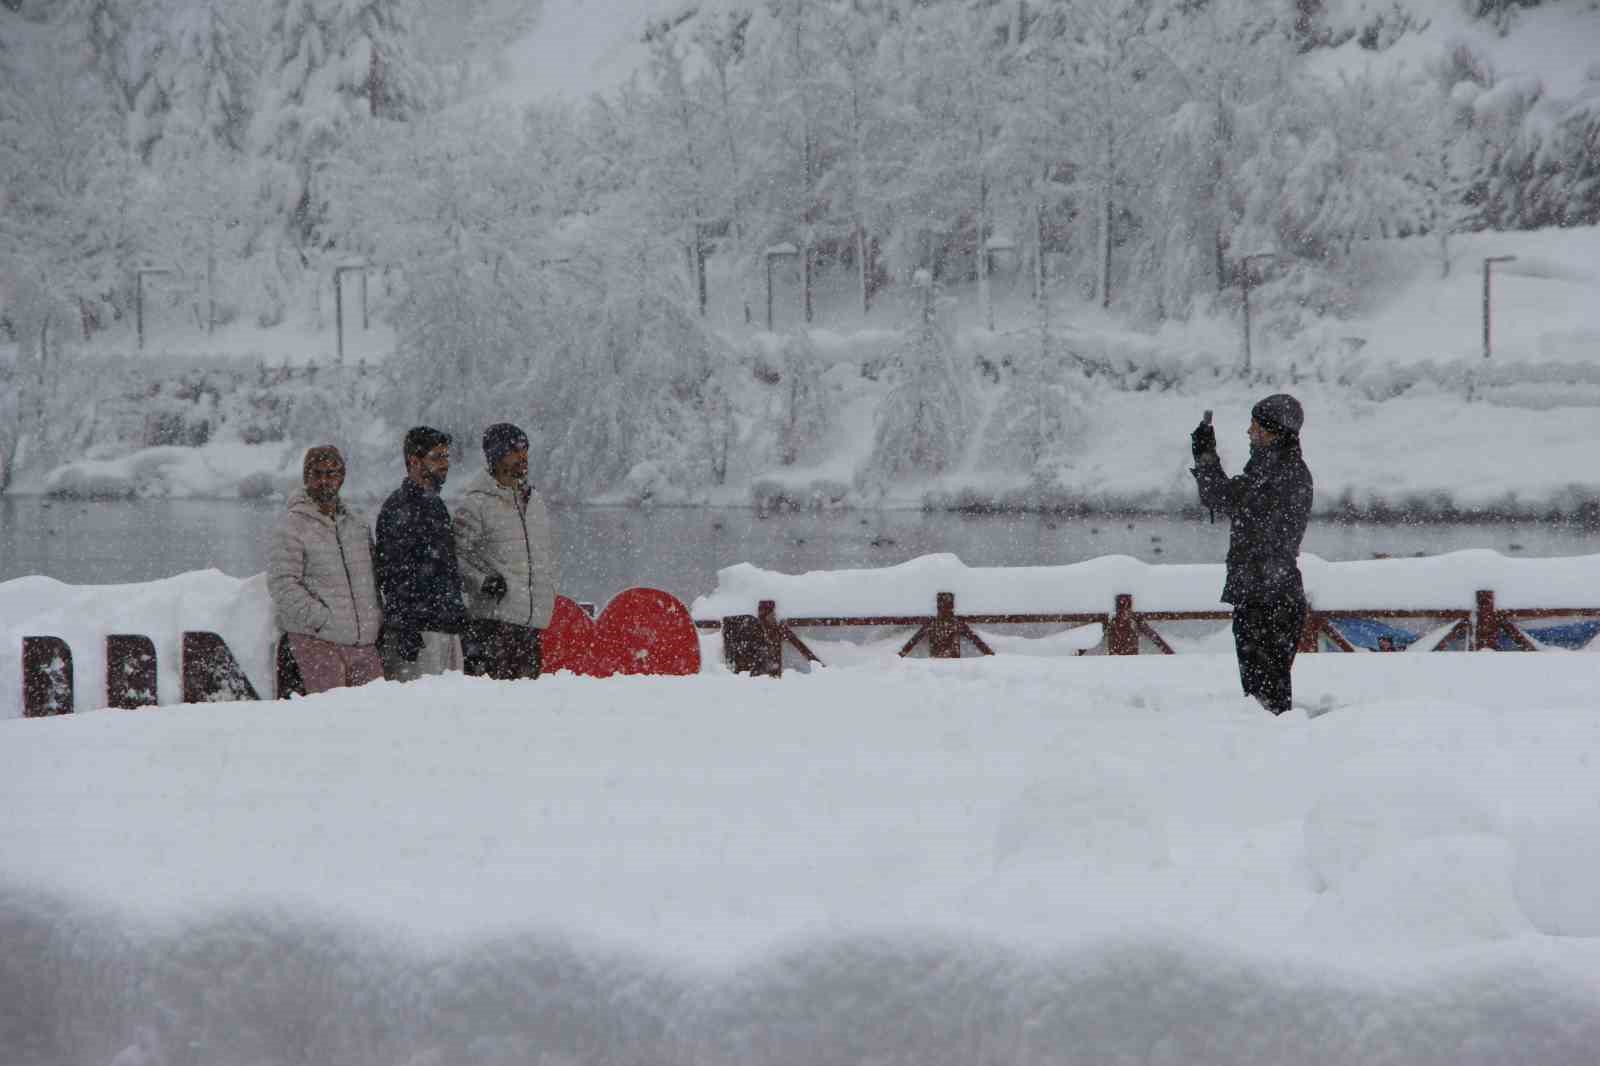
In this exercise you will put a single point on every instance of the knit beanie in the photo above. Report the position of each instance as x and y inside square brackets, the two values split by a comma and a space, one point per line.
[1279, 413]
[501, 439]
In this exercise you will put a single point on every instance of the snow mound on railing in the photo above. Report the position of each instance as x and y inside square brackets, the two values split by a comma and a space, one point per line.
[1445, 581]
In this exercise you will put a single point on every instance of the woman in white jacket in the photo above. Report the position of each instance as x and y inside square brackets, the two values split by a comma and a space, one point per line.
[509, 564]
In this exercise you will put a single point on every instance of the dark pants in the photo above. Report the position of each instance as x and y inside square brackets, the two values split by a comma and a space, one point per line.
[1266, 636]
[501, 650]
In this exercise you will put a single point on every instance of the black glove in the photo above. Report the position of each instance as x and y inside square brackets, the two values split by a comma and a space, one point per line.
[407, 643]
[1203, 441]
[494, 587]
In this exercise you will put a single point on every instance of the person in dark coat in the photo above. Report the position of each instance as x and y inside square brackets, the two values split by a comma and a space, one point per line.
[418, 575]
[1268, 506]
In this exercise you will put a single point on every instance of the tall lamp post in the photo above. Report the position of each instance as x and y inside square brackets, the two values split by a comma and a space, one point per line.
[138, 300]
[1488, 262]
[1246, 281]
[777, 251]
[338, 299]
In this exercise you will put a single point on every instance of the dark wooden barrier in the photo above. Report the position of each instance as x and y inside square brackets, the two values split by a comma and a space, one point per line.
[209, 673]
[758, 640]
[46, 677]
[130, 671]
[754, 644]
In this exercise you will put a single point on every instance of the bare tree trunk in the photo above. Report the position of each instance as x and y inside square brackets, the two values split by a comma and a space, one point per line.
[861, 267]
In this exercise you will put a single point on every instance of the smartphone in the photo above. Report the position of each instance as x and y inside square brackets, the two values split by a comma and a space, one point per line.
[1207, 418]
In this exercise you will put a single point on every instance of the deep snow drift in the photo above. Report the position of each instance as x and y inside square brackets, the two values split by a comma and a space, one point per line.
[1031, 858]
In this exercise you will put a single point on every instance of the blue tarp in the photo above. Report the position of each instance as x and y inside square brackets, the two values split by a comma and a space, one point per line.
[1367, 632]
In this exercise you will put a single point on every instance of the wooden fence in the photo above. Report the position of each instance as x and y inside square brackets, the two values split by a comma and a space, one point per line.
[754, 643]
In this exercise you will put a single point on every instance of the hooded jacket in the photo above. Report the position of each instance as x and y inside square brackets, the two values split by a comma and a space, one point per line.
[505, 531]
[320, 574]
[1269, 506]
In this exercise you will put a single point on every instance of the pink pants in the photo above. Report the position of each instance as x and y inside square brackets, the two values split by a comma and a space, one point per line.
[324, 665]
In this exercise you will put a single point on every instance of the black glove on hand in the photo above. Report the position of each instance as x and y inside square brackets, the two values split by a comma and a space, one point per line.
[407, 644]
[494, 587]
[1203, 441]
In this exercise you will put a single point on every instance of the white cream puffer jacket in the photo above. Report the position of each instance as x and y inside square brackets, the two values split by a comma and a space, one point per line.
[320, 574]
[497, 532]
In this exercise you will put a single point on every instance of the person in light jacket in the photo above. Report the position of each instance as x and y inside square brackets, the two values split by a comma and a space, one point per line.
[321, 579]
[508, 561]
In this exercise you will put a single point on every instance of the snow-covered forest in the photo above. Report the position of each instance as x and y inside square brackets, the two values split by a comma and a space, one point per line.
[561, 260]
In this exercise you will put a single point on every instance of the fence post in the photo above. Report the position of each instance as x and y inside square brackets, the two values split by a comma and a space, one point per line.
[46, 677]
[1122, 633]
[1308, 632]
[1486, 631]
[130, 671]
[209, 671]
[944, 635]
[753, 643]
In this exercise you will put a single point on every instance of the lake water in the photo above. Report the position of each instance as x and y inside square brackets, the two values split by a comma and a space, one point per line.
[605, 550]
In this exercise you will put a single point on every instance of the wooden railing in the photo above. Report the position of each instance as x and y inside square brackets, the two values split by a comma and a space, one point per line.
[755, 643]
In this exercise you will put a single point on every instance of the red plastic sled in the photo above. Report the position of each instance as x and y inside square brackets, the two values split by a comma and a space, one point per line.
[568, 641]
[645, 631]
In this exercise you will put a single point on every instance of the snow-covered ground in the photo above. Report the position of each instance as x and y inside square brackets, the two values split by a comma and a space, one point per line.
[1008, 860]
[1036, 857]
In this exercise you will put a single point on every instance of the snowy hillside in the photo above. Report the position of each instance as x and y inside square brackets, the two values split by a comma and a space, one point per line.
[566, 224]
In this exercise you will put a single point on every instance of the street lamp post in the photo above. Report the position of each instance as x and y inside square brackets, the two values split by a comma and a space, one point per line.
[338, 299]
[777, 251]
[1247, 278]
[138, 300]
[1488, 262]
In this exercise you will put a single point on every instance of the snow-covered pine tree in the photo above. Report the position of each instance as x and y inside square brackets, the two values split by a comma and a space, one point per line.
[674, 151]
[805, 412]
[65, 180]
[870, 117]
[210, 76]
[721, 43]
[923, 422]
[1038, 419]
[330, 65]
[1215, 67]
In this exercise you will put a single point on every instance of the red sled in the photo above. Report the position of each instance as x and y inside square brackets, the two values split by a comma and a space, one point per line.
[568, 641]
[641, 631]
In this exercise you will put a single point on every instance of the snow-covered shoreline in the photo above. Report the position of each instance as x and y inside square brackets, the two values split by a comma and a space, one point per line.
[1412, 457]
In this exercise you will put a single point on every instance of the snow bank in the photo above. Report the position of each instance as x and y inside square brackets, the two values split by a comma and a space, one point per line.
[1071, 860]
[241, 612]
[84, 615]
[217, 471]
[1445, 581]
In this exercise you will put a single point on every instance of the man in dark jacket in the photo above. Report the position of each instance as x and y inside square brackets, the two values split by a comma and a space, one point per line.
[1268, 505]
[418, 575]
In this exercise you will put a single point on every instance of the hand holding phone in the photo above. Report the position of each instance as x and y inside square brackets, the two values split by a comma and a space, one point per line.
[1204, 439]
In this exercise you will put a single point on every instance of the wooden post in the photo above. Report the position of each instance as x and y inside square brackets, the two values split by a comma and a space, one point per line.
[1486, 632]
[944, 635]
[209, 671]
[46, 677]
[130, 671]
[1122, 632]
[753, 644]
[1308, 632]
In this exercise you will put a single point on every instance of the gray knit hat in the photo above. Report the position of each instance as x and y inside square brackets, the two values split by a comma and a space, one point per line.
[1279, 413]
[501, 439]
